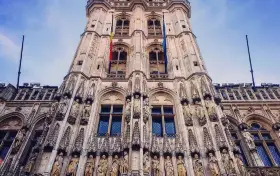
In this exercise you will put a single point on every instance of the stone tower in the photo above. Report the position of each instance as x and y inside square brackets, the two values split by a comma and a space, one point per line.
[130, 115]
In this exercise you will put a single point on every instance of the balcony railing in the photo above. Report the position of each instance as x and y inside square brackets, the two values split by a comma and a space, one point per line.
[263, 171]
[158, 75]
[115, 75]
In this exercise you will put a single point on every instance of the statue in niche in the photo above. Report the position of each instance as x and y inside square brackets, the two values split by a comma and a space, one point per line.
[147, 110]
[213, 165]
[240, 165]
[89, 166]
[211, 109]
[227, 162]
[156, 166]
[137, 106]
[187, 111]
[169, 170]
[198, 168]
[19, 139]
[137, 83]
[115, 166]
[146, 163]
[86, 112]
[72, 167]
[249, 140]
[102, 166]
[28, 167]
[63, 106]
[128, 110]
[199, 112]
[57, 165]
[71, 85]
[124, 163]
[75, 108]
[181, 168]
[53, 108]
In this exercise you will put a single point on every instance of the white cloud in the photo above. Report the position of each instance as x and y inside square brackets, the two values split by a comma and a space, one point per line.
[8, 48]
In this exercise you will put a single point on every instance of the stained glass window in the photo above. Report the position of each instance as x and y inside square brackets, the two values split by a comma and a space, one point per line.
[263, 155]
[274, 152]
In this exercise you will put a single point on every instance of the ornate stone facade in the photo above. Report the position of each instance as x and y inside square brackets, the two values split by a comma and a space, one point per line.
[132, 115]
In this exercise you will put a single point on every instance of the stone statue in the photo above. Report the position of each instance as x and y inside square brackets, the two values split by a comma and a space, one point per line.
[19, 139]
[147, 110]
[53, 108]
[198, 168]
[115, 166]
[57, 165]
[137, 83]
[155, 167]
[28, 167]
[73, 166]
[89, 166]
[199, 112]
[124, 164]
[240, 165]
[187, 111]
[211, 109]
[213, 165]
[169, 170]
[181, 168]
[249, 140]
[86, 111]
[75, 108]
[128, 110]
[227, 162]
[63, 106]
[146, 162]
[137, 107]
[102, 166]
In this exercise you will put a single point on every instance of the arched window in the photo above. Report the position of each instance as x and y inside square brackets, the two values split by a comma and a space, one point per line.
[163, 122]
[118, 63]
[110, 116]
[8, 131]
[157, 63]
[154, 27]
[122, 27]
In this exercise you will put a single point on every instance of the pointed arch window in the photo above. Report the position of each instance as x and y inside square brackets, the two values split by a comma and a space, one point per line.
[157, 63]
[118, 62]
[154, 27]
[122, 27]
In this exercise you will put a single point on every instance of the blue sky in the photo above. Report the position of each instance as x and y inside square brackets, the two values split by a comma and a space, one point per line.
[52, 29]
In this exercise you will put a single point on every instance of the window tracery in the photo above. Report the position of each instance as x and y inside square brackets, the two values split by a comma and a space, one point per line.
[154, 26]
[157, 63]
[122, 26]
[118, 62]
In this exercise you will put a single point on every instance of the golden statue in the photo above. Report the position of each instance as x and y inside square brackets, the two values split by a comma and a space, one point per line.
[124, 163]
[57, 165]
[89, 166]
[72, 167]
[198, 168]
[169, 170]
[156, 166]
[213, 165]
[115, 166]
[102, 166]
[181, 167]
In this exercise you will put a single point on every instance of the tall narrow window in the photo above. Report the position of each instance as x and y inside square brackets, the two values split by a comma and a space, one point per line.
[157, 63]
[118, 63]
[122, 27]
[154, 27]
[110, 120]
[163, 121]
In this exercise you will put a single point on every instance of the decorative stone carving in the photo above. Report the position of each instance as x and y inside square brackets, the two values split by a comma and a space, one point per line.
[160, 85]
[117, 144]
[93, 143]
[156, 166]
[115, 166]
[129, 89]
[167, 145]
[64, 142]
[155, 148]
[89, 170]
[137, 86]
[57, 165]
[137, 107]
[204, 89]
[114, 84]
[220, 138]
[200, 114]
[51, 140]
[70, 86]
[91, 93]
[188, 113]
[80, 92]
[128, 110]
[74, 112]
[73, 166]
[194, 93]
[181, 167]
[126, 139]
[124, 163]
[102, 166]
[136, 134]
[147, 110]
[146, 163]
[240, 165]
[207, 141]
[197, 166]
[62, 108]
[182, 93]
[19, 140]
[213, 165]
[249, 140]
[86, 113]
[146, 137]
[145, 88]
[30, 163]
[60, 91]
[211, 109]
[192, 143]
[79, 141]
[227, 162]
[168, 166]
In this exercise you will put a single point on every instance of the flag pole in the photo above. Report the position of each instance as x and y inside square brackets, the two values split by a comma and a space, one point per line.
[111, 45]
[19, 68]
[252, 72]
[164, 46]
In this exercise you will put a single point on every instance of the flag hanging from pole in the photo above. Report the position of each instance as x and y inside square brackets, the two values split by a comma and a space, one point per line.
[164, 46]
[111, 46]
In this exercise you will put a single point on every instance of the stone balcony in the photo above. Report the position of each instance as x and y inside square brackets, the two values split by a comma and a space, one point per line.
[263, 171]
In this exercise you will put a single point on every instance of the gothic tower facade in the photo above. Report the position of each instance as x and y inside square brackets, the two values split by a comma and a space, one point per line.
[132, 115]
